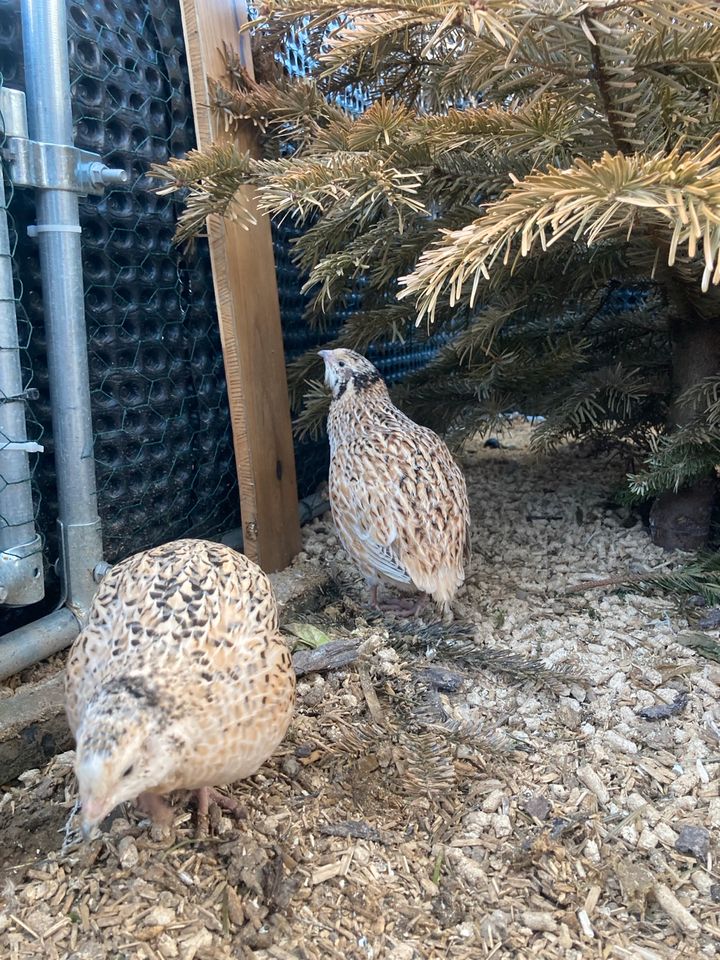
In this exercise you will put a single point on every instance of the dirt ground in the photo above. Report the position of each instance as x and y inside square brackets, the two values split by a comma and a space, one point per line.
[538, 780]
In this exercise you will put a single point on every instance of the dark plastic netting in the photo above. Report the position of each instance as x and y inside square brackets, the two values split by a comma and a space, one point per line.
[163, 443]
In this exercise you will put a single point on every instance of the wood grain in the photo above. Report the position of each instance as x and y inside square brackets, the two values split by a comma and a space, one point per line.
[248, 307]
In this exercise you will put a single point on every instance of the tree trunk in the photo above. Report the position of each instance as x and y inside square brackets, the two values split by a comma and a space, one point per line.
[682, 520]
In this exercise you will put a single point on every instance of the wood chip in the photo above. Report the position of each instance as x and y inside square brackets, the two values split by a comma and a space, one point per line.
[679, 914]
[328, 872]
[371, 698]
[635, 952]
[25, 927]
[656, 771]
[538, 920]
[592, 781]
[585, 924]
[592, 899]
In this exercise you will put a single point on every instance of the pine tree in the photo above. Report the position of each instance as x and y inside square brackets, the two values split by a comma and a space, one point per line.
[536, 179]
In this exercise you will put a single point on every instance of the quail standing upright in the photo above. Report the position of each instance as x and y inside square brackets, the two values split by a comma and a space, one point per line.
[179, 680]
[398, 499]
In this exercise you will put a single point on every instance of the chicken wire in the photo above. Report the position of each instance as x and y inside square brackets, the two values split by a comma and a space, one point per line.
[34, 435]
[163, 444]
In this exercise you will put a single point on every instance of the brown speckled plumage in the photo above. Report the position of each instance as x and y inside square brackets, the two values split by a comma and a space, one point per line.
[179, 676]
[398, 498]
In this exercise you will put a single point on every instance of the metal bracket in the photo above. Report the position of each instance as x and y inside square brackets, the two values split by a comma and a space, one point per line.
[21, 574]
[53, 166]
[49, 166]
[14, 114]
[78, 541]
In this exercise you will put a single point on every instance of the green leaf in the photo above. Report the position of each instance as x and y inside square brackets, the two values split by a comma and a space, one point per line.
[308, 635]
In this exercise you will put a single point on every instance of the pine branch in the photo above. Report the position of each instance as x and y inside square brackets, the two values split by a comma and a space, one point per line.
[462, 401]
[679, 460]
[363, 181]
[310, 422]
[595, 401]
[296, 111]
[374, 256]
[543, 131]
[676, 49]
[211, 183]
[704, 399]
[679, 193]
[457, 643]
[699, 577]
[593, 27]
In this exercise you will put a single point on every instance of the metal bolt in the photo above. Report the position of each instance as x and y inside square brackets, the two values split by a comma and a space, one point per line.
[112, 175]
[98, 175]
[101, 570]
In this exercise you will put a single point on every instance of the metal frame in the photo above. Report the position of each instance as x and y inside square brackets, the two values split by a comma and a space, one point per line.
[21, 580]
[45, 158]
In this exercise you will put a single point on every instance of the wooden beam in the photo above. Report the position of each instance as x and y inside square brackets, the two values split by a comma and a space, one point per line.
[248, 307]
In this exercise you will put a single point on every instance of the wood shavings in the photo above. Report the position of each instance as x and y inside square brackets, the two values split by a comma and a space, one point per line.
[679, 914]
[363, 838]
[593, 782]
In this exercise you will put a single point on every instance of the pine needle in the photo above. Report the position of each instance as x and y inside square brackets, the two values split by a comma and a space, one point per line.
[699, 577]
[456, 642]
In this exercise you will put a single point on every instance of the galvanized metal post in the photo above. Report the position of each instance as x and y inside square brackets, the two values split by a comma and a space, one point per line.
[58, 232]
[21, 566]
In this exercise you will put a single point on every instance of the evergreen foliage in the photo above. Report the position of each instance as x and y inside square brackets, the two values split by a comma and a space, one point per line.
[520, 165]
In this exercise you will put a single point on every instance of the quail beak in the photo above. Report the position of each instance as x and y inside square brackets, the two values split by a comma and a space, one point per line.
[325, 354]
[93, 813]
[87, 829]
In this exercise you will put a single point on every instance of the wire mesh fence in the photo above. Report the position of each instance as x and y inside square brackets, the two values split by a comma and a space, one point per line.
[163, 446]
[31, 435]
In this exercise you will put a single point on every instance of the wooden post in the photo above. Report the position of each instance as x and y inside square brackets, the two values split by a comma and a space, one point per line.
[248, 308]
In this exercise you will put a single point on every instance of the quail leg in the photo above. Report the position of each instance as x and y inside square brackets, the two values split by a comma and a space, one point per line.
[403, 605]
[159, 810]
[410, 608]
[203, 805]
[225, 803]
[206, 796]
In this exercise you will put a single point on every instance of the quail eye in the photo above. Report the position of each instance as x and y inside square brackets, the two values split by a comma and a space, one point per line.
[129, 770]
[341, 363]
